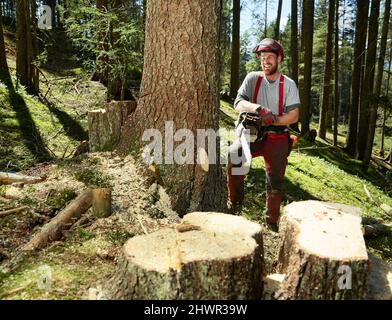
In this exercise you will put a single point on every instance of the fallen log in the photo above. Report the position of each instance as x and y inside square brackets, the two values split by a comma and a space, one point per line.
[53, 229]
[190, 261]
[11, 211]
[322, 252]
[104, 125]
[9, 178]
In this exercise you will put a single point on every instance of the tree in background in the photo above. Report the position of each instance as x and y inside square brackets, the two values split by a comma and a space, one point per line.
[277, 25]
[336, 95]
[110, 43]
[175, 88]
[326, 92]
[235, 51]
[25, 68]
[294, 48]
[306, 53]
[368, 82]
[3, 58]
[359, 46]
[377, 86]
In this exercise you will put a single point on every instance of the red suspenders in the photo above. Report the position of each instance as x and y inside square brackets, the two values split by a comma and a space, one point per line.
[281, 92]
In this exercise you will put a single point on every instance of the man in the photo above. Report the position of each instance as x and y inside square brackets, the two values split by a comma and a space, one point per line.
[275, 99]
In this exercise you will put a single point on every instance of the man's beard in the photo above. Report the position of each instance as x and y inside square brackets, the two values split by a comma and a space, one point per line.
[272, 70]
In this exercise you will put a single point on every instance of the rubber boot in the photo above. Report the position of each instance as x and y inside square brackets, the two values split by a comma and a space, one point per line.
[273, 207]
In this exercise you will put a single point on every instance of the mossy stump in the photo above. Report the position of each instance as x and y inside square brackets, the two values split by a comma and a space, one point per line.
[201, 258]
[322, 253]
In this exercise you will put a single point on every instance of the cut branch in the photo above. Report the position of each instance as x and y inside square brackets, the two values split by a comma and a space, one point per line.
[11, 211]
[9, 178]
[53, 230]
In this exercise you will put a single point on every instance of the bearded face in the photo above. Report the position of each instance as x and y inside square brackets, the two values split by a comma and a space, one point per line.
[269, 63]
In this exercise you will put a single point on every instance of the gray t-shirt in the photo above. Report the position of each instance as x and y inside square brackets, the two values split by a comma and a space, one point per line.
[268, 95]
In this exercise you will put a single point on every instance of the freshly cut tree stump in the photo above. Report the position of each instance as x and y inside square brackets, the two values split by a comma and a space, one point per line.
[192, 262]
[322, 252]
[102, 202]
[105, 124]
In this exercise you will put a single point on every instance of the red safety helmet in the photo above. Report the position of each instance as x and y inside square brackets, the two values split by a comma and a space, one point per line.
[269, 45]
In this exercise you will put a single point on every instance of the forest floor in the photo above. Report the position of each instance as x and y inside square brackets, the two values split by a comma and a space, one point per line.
[86, 255]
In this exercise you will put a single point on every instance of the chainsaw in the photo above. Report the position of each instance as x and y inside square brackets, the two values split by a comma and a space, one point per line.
[247, 129]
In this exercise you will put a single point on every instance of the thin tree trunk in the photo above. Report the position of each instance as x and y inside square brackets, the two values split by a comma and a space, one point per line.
[184, 95]
[277, 26]
[265, 18]
[24, 59]
[35, 73]
[367, 112]
[382, 151]
[336, 93]
[377, 87]
[307, 51]
[294, 48]
[327, 73]
[359, 46]
[3, 56]
[235, 51]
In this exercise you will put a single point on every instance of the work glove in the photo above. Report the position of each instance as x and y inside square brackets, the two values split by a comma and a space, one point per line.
[266, 116]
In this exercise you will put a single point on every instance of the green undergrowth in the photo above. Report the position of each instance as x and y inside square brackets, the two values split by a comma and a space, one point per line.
[71, 268]
[37, 129]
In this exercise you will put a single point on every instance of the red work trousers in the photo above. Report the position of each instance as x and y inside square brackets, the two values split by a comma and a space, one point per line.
[274, 147]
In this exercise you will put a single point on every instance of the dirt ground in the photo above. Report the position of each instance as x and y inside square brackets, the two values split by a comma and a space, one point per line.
[86, 254]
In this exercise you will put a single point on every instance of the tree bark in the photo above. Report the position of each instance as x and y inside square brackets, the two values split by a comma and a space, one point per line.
[336, 88]
[377, 86]
[367, 90]
[3, 56]
[277, 25]
[179, 90]
[24, 60]
[307, 52]
[235, 51]
[359, 46]
[327, 73]
[294, 49]
[321, 243]
[386, 113]
[207, 256]
[105, 125]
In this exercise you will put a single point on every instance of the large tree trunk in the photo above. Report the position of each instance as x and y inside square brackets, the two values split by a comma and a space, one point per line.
[277, 25]
[179, 90]
[336, 87]
[367, 90]
[324, 107]
[235, 51]
[323, 253]
[377, 87]
[207, 256]
[307, 52]
[359, 46]
[3, 57]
